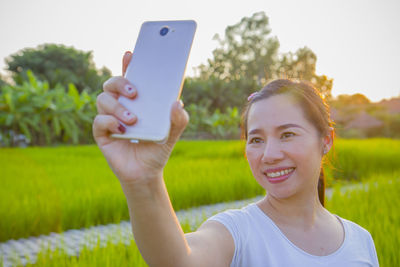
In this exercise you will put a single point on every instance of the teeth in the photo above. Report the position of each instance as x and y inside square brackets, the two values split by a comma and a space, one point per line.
[280, 173]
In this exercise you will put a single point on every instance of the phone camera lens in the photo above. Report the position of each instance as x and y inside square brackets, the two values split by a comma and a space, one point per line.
[164, 31]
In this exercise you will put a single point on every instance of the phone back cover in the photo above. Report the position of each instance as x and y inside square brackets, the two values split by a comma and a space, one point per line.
[157, 70]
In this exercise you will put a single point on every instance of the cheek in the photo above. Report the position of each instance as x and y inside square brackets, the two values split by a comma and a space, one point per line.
[252, 156]
[307, 156]
[302, 147]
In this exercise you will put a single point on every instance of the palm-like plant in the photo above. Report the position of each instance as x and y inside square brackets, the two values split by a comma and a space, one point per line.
[44, 115]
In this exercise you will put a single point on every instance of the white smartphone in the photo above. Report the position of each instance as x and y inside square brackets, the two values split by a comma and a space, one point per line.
[157, 69]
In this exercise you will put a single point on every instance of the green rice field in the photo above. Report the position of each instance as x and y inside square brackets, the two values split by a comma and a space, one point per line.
[54, 189]
[59, 188]
[376, 209]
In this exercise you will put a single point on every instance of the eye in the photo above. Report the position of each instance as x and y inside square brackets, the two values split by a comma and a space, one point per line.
[255, 140]
[286, 135]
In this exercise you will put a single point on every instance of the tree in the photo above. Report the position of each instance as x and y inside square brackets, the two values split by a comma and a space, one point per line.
[246, 55]
[301, 65]
[245, 60]
[351, 101]
[248, 51]
[2, 82]
[58, 64]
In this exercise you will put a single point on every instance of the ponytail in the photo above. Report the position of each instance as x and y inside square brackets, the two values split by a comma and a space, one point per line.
[321, 187]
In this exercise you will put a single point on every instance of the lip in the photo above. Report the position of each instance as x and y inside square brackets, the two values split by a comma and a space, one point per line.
[278, 179]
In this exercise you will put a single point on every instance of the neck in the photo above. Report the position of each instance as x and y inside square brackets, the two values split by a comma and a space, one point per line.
[295, 211]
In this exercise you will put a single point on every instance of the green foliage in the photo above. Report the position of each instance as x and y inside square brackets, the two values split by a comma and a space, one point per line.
[2, 82]
[216, 125]
[44, 115]
[213, 93]
[58, 64]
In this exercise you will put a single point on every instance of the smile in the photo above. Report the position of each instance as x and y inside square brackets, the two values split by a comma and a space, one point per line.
[278, 176]
[279, 173]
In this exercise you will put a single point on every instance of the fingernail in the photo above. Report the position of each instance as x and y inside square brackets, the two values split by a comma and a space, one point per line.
[180, 102]
[130, 89]
[121, 128]
[128, 115]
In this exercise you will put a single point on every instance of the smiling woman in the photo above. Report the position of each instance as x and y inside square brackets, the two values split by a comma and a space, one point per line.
[287, 132]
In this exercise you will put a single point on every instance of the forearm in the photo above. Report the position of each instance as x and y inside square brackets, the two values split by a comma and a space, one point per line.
[155, 226]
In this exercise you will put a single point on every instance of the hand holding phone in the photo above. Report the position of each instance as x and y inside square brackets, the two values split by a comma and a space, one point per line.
[157, 70]
[139, 167]
[131, 162]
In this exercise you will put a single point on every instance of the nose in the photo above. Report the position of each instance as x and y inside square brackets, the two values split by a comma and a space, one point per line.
[272, 152]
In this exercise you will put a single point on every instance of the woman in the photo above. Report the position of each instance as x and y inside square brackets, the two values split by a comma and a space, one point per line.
[288, 131]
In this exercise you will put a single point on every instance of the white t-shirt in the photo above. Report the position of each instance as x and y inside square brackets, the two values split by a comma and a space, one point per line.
[259, 242]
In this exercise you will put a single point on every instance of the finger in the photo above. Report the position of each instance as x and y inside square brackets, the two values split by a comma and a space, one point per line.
[125, 61]
[103, 125]
[179, 120]
[117, 86]
[107, 104]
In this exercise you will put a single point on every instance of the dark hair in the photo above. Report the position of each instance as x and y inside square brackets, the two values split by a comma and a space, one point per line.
[315, 109]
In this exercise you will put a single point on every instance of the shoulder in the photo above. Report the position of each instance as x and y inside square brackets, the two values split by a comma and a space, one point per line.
[234, 218]
[240, 223]
[217, 239]
[358, 236]
[360, 240]
[236, 213]
[354, 229]
[237, 223]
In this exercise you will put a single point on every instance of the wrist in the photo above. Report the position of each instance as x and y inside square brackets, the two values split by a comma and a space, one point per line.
[143, 188]
[137, 178]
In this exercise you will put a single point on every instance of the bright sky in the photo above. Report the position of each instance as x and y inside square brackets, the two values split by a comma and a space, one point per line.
[357, 42]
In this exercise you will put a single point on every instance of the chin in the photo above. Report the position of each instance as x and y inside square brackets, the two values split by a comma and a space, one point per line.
[280, 194]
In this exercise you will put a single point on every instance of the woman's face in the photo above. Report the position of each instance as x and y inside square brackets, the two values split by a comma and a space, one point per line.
[283, 148]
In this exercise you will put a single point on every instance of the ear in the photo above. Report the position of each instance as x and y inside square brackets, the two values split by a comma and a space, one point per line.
[327, 141]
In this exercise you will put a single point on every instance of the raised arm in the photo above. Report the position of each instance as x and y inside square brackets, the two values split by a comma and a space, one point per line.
[139, 168]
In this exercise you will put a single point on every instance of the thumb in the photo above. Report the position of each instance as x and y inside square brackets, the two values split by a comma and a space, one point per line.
[179, 120]
[125, 61]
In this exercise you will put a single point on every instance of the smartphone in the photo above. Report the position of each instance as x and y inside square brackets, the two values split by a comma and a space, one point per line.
[157, 69]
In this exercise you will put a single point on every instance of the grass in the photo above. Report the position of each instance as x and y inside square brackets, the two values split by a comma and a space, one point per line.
[55, 189]
[353, 159]
[374, 209]
[52, 189]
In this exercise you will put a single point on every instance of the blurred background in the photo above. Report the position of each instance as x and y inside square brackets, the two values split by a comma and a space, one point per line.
[55, 55]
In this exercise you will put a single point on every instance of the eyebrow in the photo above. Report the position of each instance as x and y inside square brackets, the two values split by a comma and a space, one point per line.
[290, 125]
[279, 128]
